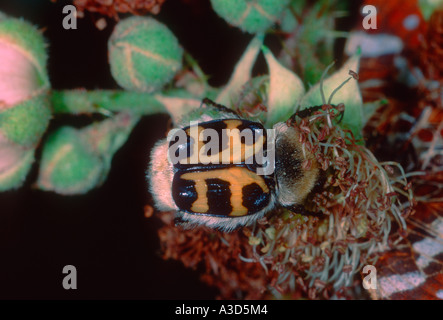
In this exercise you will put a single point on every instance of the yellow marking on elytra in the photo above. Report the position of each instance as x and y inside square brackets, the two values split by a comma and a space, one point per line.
[232, 123]
[238, 178]
[235, 153]
[234, 142]
[246, 151]
[200, 205]
[194, 132]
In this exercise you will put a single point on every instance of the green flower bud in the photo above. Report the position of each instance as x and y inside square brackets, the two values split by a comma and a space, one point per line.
[15, 162]
[26, 122]
[74, 161]
[69, 165]
[23, 57]
[144, 54]
[24, 105]
[250, 15]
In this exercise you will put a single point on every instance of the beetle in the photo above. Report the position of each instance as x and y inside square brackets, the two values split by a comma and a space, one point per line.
[232, 189]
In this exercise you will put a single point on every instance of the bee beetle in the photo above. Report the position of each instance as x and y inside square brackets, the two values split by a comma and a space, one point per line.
[225, 172]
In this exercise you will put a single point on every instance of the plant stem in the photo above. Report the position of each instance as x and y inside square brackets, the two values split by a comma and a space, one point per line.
[81, 101]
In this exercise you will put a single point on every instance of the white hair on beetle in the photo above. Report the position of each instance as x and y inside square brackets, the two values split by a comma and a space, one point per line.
[160, 176]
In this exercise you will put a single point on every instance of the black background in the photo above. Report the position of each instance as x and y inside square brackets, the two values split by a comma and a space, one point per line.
[104, 234]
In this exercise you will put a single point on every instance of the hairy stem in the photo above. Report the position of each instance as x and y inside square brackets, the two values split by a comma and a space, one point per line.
[104, 101]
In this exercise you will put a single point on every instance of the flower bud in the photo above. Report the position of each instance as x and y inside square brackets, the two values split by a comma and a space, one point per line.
[74, 161]
[25, 123]
[23, 71]
[15, 163]
[250, 15]
[144, 54]
[24, 106]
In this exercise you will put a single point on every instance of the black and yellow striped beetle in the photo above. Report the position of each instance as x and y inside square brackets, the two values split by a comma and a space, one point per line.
[238, 190]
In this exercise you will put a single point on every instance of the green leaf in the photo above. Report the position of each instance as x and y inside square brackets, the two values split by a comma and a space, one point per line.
[241, 74]
[285, 90]
[178, 107]
[349, 95]
[427, 7]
